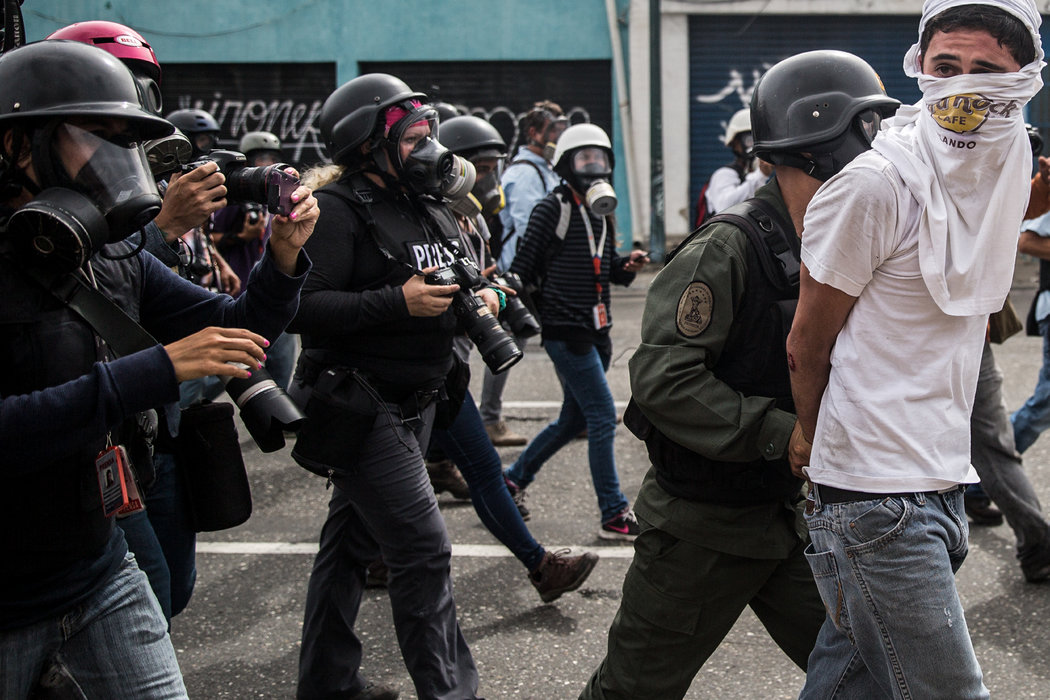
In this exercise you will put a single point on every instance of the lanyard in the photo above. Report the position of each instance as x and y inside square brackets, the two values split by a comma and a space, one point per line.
[596, 250]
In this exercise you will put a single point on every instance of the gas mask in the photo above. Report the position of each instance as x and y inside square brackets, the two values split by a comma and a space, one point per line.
[548, 140]
[111, 195]
[168, 154]
[590, 173]
[489, 192]
[429, 168]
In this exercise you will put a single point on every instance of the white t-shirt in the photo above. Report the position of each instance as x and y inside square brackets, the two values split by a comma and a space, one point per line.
[895, 416]
[725, 188]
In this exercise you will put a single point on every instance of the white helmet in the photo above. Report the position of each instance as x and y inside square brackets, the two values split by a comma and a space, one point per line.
[579, 135]
[738, 124]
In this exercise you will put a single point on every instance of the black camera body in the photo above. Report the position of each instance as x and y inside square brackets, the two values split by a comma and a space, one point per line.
[497, 348]
[269, 184]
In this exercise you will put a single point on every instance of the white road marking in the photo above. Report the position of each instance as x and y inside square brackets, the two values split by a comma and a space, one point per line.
[485, 551]
[546, 404]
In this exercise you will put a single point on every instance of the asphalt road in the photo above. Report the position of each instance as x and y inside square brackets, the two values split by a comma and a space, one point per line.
[239, 638]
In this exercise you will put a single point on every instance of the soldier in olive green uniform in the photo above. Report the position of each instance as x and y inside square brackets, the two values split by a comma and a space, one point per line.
[720, 510]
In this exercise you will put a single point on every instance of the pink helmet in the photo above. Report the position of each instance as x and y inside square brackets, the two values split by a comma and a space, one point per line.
[121, 41]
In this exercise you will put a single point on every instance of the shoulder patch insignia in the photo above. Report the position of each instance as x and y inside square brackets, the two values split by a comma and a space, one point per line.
[694, 309]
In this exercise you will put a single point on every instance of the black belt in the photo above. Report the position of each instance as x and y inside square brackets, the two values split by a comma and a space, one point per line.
[831, 494]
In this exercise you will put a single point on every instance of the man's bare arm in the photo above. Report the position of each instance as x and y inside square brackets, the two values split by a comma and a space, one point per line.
[821, 313]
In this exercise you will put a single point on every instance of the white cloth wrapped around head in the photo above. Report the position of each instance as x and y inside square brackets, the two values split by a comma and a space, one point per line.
[964, 154]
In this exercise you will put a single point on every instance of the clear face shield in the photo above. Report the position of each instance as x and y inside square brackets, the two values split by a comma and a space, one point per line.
[112, 171]
[96, 189]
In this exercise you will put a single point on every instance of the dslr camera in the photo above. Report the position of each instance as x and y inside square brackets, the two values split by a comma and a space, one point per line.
[517, 316]
[497, 348]
[266, 184]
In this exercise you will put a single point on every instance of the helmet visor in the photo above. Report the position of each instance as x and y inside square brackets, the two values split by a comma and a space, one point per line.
[591, 160]
[110, 169]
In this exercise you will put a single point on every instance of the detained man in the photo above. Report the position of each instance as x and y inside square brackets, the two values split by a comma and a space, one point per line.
[906, 252]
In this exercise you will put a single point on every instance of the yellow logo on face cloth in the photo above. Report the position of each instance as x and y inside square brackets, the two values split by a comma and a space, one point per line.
[960, 113]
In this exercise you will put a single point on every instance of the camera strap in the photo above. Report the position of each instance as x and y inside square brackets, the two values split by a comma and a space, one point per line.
[120, 332]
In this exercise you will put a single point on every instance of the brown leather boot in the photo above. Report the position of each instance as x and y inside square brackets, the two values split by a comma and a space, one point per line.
[444, 476]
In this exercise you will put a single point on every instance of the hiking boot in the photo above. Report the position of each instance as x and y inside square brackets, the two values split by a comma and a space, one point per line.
[502, 436]
[982, 511]
[560, 573]
[518, 494]
[377, 692]
[623, 527]
[1035, 564]
[444, 476]
[376, 574]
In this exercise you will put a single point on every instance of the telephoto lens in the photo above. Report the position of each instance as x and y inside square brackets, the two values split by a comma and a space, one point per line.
[497, 348]
[267, 411]
[516, 315]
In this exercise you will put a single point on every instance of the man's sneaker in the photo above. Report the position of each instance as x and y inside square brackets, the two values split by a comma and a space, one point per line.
[377, 692]
[502, 436]
[982, 511]
[518, 494]
[560, 573]
[623, 527]
[444, 476]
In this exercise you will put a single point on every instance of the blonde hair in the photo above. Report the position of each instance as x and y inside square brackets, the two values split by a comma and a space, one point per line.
[321, 175]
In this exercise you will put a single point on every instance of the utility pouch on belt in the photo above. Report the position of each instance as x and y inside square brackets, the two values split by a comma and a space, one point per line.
[340, 412]
[456, 384]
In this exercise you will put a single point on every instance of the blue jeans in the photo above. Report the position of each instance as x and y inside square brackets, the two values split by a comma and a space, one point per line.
[1033, 417]
[114, 645]
[586, 403]
[467, 444]
[885, 570]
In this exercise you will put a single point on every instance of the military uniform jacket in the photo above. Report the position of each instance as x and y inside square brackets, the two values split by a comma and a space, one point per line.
[711, 372]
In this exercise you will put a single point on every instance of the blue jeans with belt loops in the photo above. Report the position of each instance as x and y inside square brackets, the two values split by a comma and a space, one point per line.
[885, 569]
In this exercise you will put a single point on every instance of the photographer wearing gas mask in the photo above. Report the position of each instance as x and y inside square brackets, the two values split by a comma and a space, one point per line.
[75, 183]
[573, 267]
[526, 180]
[163, 536]
[188, 199]
[377, 323]
[464, 442]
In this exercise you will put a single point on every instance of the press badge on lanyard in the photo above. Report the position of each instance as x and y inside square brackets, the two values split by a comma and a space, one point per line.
[116, 484]
[601, 314]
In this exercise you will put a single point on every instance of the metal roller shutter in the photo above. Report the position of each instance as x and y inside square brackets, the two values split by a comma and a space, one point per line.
[729, 52]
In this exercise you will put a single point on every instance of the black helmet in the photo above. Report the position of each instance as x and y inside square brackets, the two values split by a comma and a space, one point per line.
[446, 111]
[825, 103]
[470, 136]
[351, 114]
[193, 121]
[48, 79]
